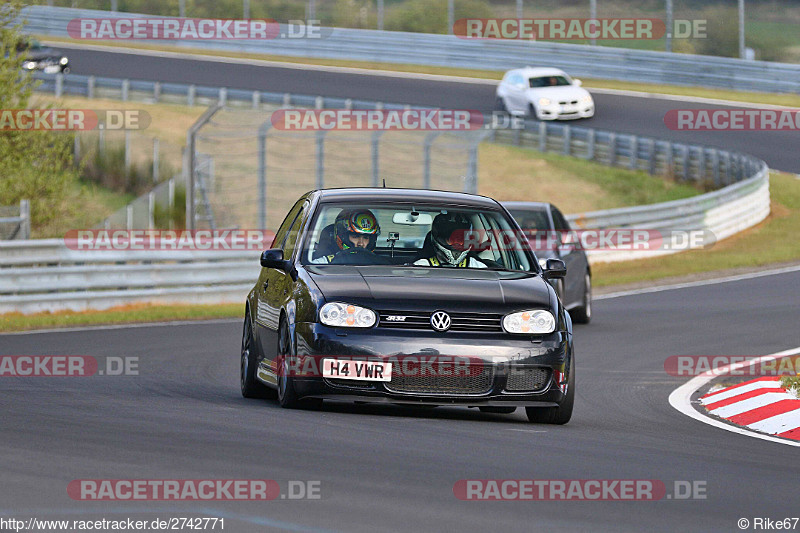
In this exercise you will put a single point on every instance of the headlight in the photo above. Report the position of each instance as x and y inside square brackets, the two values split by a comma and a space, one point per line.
[341, 315]
[544, 101]
[586, 99]
[64, 60]
[530, 322]
[30, 65]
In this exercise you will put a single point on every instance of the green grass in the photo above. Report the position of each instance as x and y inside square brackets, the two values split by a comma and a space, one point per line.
[119, 315]
[790, 382]
[792, 100]
[772, 241]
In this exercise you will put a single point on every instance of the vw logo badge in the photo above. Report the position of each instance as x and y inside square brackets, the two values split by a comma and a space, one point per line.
[440, 321]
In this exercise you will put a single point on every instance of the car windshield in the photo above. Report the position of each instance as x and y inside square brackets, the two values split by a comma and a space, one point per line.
[549, 81]
[414, 235]
[31, 45]
[532, 220]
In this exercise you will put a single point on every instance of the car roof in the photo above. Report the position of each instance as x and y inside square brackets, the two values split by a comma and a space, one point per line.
[532, 72]
[381, 194]
[526, 206]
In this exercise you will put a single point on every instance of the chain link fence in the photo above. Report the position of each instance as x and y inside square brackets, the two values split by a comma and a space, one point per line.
[248, 174]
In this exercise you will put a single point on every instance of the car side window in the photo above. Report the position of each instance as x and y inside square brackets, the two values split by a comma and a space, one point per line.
[294, 232]
[280, 236]
[559, 221]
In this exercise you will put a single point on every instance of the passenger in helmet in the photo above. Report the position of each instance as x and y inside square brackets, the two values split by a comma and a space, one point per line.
[354, 232]
[448, 233]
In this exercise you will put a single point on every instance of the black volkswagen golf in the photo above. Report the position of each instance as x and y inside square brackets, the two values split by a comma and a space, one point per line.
[410, 297]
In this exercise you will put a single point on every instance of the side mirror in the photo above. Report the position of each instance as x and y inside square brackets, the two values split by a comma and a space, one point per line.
[273, 258]
[555, 269]
[576, 82]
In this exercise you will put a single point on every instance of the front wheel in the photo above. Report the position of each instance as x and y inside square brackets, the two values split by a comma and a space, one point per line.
[500, 105]
[583, 314]
[287, 395]
[251, 387]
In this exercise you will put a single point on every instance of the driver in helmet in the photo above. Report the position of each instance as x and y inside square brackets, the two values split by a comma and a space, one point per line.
[354, 231]
[448, 233]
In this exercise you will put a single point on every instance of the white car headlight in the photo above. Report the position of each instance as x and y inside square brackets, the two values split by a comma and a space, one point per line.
[544, 101]
[29, 65]
[530, 322]
[341, 315]
[64, 60]
[586, 99]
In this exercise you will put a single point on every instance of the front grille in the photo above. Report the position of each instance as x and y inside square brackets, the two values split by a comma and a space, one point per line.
[480, 383]
[527, 379]
[459, 321]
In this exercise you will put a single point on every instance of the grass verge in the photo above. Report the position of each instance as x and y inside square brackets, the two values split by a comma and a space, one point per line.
[128, 314]
[792, 100]
[772, 241]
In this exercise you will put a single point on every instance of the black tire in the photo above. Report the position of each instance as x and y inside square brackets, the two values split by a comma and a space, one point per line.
[498, 410]
[532, 113]
[287, 395]
[583, 314]
[251, 387]
[555, 415]
[500, 105]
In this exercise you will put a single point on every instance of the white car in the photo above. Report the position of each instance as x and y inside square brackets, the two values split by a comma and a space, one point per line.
[544, 93]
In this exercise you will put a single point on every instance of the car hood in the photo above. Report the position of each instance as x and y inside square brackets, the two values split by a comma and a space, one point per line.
[431, 288]
[43, 53]
[569, 92]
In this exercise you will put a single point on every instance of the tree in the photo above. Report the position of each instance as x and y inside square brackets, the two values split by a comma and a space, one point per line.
[34, 165]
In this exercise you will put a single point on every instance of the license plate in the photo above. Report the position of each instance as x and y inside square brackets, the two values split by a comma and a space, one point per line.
[358, 370]
[52, 69]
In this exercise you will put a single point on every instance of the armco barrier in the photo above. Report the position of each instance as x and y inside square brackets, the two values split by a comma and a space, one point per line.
[498, 55]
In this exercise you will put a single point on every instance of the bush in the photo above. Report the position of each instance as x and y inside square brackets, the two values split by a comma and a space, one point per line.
[176, 214]
[722, 35]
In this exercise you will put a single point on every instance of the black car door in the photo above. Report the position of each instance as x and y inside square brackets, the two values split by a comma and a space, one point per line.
[270, 294]
[573, 258]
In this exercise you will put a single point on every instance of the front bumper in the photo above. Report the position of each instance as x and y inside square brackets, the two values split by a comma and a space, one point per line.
[566, 112]
[493, 358]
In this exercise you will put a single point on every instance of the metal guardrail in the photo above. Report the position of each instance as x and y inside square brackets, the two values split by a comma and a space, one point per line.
[46, 275]
[15, 223]
[497, 55]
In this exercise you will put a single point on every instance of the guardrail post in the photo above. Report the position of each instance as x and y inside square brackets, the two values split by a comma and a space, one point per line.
[287, 100]
[151, 210]
[155, 159]
[542, 136]
[669, 167]
[727, 157]
[126, 84]
[590, 145]
[517, 137]
[375, 141]
[90, 83]
[157, 91]
[59, 89]
[76, 149]
[634, 162]
[190, 94]
[256, 99]
[686, 162]
[612, 149]
[101, 138]
[651, 167]
[567, 140]
[319, 102]
[715, 166]
[471, 182]
[348, 104]
[701, 165]
[129, 217]
[25, 215]
[223, 96]
[320, 159]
